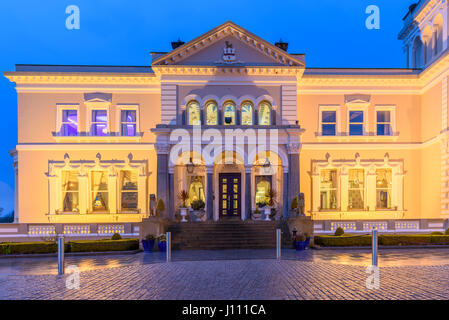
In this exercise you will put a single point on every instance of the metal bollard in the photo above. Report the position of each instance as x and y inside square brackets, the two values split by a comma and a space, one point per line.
[168, 249]
[374, 247]
[61, 266]
[278, 244]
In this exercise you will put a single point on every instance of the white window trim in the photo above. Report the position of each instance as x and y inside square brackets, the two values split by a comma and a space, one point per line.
[358, 107]
[90, 106]
[60, 107]
[335, 108]
[392, 109]
[121, 107]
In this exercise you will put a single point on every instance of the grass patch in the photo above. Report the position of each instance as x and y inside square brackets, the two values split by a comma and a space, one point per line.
[384, 239]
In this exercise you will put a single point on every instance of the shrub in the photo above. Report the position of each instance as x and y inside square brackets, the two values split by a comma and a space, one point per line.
[339, 232]
[294, 204]
[198, 204]
[29, 247]
[261, 204]
[104, 245]
[437, 233]
[384, 239]
[116, 236]
[160, 206]
[447, 232]
[162, 238]
[184, 196]
[343, 241]
[149, 237]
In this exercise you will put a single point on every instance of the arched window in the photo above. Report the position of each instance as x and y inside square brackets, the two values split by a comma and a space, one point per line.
[229, 113]
[417, 53]
[193, 113]
[247, 113]
[265, 113]
[211, 113]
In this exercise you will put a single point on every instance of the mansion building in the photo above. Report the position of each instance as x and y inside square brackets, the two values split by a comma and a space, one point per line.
[102, 144]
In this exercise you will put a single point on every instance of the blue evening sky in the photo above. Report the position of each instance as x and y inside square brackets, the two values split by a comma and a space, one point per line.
[331, 33]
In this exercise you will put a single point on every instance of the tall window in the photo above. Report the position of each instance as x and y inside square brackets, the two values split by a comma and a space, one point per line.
[383, 188]
[384, 123]
[265, 113]
[70, 191]
[196, 188]
[247, 113]
[69, 123]
[99, 190]
[128, 123]
[128, 190]
[356, 123]
[263, 186]
[193, 114]
[329, 123]
[356, 189]
[229, 113]
[211, 113]
[99, 123]
[328, 189]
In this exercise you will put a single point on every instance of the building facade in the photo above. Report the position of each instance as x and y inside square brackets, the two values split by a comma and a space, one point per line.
[228, 117]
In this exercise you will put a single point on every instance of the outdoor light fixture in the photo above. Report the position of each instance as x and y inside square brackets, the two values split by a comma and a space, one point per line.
[190, 166]
[267, 165]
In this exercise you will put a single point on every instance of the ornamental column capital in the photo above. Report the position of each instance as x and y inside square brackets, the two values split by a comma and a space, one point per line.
[162, 148]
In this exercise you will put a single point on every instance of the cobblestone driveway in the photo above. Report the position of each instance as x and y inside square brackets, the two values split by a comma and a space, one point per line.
[239, 279]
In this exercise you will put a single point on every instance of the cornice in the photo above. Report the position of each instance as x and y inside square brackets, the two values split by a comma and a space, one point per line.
[227, 70]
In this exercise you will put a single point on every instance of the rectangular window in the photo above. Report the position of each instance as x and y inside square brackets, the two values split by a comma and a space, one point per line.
[383, 188]
[329, 123]
[69, 123]
[128, 190]
[356, 123]
[99, 123]
[328, 189]
[99, 190]
[356, 189]
[70, 191]
[384, 123]
[128, 123]
[263, 187]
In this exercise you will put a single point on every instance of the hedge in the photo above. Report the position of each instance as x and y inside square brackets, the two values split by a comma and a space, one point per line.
[71, 246]
[384, 239]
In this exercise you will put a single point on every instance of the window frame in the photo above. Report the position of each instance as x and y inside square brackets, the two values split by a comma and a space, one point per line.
[205, 110]
[235, 112]
[357, 107]
[335, 108]
[91, 191]
[188, 113]
[252, 112]
[61, 190]
[59, 110]
[124, 107]
[390, 190]
[392, 110]
[120, 191]
[98, 106]
[337, 189]
[271, 113]
[364, 189]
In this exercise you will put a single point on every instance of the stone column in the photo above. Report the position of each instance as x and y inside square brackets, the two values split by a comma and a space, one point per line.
[162, 175]
[112, 192]
[248, 192]
[285, 193]
[210, 193]
[14, 154]
[293, 171]
[171, 195]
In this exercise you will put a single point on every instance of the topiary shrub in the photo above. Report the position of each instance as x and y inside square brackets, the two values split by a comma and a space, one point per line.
[437, 233]
[116, 236]
[294, 204]
[447, 232]
[160, 206]
[339, 232]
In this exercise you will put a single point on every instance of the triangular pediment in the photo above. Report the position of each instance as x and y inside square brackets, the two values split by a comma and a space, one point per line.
[228, 45]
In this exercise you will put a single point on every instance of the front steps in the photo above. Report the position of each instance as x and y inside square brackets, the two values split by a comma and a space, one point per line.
[227, 234]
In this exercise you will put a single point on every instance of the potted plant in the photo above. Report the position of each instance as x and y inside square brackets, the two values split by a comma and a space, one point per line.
[184, 196]
[271, 201]
[162, 242]
[257, 215]
[302, 242]
[294, 207]
[198, 209]
[148, 243]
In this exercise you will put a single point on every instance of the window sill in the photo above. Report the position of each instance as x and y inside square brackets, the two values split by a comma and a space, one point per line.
[365, 138]
[73, 139]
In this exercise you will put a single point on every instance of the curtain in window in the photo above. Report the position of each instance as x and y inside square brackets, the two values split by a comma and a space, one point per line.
[70, 191]
[128, 184]
[356, 189]
[99, 190]
[128, 121]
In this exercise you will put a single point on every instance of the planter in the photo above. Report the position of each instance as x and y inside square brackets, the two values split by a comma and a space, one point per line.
[256, 216]
[162, 245]
[302, 245]
[183, 212]
[198, 215]
[148, 245]
[267, 212]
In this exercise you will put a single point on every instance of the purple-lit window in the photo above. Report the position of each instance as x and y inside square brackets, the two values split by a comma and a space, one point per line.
[128, 123]
[69, 123]
[356, 124]
[99, 123]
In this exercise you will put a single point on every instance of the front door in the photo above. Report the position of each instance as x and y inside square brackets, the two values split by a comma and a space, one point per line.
[230, 190]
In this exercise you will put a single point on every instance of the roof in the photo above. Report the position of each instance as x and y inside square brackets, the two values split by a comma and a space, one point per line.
[82, 68]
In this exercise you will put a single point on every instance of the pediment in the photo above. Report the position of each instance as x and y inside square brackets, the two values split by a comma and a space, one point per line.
[228, 45]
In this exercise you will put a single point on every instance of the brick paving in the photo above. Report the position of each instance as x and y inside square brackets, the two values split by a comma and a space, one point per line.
[235, 279]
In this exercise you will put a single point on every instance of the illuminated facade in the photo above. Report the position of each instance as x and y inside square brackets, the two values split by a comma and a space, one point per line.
[360, 144]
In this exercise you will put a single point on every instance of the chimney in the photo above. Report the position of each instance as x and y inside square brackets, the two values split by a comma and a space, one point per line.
[282, 45]
[176, 44]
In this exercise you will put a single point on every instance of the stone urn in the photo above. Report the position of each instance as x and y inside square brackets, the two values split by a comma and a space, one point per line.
[183, 213]
[267, 212]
